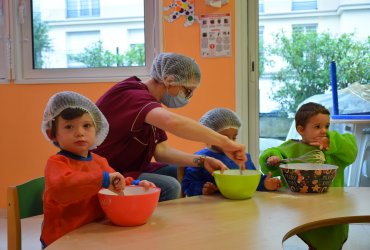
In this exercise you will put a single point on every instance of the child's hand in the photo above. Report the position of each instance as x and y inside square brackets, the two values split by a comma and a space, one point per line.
[272, 184]
[273, 161]
[322, 142]
[209, 188]
[146, 184]
[117, 182]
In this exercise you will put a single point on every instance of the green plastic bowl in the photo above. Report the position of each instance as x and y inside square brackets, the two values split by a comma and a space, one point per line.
[235, 186]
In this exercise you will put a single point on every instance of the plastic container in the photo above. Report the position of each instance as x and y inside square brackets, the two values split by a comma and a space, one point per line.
[133, 208]
[308, 177]
[236, 186]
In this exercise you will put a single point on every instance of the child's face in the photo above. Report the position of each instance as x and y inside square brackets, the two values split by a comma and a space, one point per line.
[77, 135]
[316, 127]
[231, 133]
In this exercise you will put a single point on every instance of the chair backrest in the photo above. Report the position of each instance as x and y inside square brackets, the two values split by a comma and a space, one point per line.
[24, 200]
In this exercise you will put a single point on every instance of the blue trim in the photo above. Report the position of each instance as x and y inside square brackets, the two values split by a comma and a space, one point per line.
[135, 182]
[106, 180]
[74, 156]
[350, 117]
[334, 87]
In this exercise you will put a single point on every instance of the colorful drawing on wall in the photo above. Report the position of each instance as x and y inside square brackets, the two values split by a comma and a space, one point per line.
[181, 8]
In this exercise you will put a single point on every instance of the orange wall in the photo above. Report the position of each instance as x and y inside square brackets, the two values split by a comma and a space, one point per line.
[23, 148]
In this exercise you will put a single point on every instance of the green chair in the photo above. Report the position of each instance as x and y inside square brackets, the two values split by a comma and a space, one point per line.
[24, 200]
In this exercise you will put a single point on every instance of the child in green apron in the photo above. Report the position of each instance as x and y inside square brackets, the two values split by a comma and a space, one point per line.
[312, 123]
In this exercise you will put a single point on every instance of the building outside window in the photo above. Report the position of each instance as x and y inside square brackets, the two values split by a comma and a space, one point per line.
[4, 43]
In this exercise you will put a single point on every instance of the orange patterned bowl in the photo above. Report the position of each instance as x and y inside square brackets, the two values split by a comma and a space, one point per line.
[308, 177]
[133, 208]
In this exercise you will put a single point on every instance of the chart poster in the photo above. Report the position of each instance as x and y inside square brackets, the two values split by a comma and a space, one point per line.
[215, 35]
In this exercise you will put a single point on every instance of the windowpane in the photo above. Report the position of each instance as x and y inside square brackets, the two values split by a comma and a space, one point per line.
[304, 5]
[4, 43]
[261, 6]
[87, 39]
[72, 9]
[52, 34]
[304, 27]
[95, 7]
[297, 50]
[84, 8]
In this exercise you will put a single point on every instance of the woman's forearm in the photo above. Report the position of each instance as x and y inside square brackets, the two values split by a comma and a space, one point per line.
[184, 127]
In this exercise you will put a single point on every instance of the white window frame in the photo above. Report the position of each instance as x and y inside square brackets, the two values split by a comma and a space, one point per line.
[5, 60]
[246, 73]
[23, 69]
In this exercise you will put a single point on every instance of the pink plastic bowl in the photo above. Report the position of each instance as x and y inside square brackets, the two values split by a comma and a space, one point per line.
[131, 209]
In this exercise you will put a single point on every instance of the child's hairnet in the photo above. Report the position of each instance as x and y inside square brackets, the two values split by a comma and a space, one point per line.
[219, 119]
[68, 99]
[184, 69]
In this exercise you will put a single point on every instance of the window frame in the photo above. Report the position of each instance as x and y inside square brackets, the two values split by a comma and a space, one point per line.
[246, 73]
[25, 73]
[5, 59]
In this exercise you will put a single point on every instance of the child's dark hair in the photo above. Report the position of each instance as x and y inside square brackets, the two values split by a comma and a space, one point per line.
[67, 114]
[308, 110]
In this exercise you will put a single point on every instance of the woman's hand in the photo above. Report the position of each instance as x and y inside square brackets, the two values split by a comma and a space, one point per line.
[236, 152]
[272, 184]
[209, 188]
[211, 164]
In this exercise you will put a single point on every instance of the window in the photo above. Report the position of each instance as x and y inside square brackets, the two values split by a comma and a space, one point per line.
[4, 42]
[261, 6]
[304, 28]
[84, 40]
[304, 5]
[261, 63]
[83, 8]
[298, 48]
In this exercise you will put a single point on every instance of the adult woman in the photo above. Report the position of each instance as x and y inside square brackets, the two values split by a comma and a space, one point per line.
[138, 123]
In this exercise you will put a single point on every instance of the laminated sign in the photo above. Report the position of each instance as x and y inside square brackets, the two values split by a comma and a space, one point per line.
[215, 35]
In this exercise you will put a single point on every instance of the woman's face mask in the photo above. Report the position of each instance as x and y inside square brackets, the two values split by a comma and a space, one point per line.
[175, 101]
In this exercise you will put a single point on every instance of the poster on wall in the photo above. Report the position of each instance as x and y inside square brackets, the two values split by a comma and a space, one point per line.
[215, 35]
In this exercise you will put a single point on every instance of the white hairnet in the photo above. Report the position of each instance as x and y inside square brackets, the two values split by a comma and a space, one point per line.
[219, 119]
[184, 69]
[68, 99]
